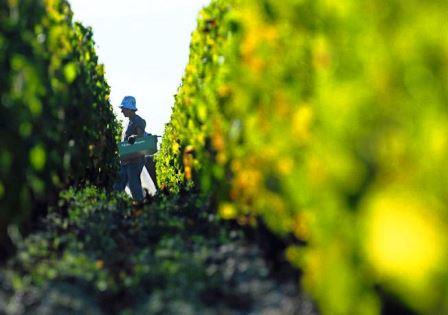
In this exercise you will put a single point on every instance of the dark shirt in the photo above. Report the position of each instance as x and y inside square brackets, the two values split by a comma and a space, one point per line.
[135, 123]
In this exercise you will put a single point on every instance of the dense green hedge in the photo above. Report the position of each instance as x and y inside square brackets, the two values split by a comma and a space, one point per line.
[57, 125]
[327, 119]
[95, 254]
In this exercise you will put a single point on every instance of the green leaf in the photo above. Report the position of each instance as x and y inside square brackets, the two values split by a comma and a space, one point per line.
[2, 190]
[70, 72]
[38, 157]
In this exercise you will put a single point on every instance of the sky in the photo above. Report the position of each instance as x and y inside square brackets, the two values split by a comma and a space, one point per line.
[144, 45]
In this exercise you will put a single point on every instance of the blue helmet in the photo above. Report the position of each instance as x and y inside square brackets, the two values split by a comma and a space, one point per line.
[129, 103]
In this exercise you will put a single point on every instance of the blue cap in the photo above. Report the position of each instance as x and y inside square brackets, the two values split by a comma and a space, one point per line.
[129, 103]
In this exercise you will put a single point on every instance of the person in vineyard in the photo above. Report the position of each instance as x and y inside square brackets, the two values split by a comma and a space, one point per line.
[132, 166]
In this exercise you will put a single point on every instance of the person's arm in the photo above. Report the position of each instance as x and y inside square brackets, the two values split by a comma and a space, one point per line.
[140, 132]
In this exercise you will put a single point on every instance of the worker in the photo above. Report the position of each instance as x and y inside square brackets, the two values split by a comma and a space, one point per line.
[132, 166]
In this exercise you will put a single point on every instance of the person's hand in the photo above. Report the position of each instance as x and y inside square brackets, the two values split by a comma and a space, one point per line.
[131, 139]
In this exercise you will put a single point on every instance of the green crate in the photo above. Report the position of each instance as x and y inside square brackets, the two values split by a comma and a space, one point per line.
[146, 145]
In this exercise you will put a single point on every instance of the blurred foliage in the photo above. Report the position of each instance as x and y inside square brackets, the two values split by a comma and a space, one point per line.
[328, 120]
[95, 254]
[57, 125]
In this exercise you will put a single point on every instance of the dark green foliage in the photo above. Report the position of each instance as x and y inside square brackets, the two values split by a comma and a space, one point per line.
[57, 125]
[172, 256]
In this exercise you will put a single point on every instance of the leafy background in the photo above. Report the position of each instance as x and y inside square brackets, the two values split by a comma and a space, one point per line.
[327, 121]
[53, 91]
[310, 134]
